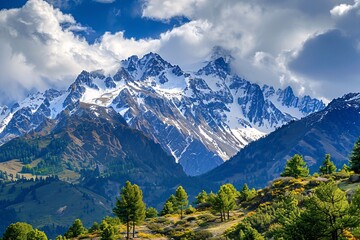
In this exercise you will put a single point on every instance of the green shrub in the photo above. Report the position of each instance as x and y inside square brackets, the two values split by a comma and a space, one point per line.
[190, 210]
[202, 234]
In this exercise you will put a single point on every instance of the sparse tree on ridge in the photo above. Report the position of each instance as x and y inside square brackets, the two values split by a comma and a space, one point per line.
[201, 198]
[355, 157]
[130, 207]
[75, 230]
[167, 209]
[328, 166]
[181, 199]
[295, 167]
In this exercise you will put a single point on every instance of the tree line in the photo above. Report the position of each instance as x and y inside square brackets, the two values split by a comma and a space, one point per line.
[324, 213]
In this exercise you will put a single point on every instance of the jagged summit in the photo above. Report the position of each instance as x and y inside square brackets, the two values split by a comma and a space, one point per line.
[220, 52]
[201, 118]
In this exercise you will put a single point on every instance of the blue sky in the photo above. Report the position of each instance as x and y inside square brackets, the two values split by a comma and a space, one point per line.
[110, 16]
[313, 46]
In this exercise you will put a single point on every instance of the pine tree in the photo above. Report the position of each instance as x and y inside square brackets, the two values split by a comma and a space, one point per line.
[75, 230]
[35, 234]
[181, 199]
[139, 208]
[123, 209]
[345, 168]
[327, 213]
[216, 204]
[328, 166]
[151, 212]
[355, 157]
[167, 209]
[17, 231]
[228, 194]
[201, 198]
[107, 231]
[130, 207]
[173, 200]
[296, 167]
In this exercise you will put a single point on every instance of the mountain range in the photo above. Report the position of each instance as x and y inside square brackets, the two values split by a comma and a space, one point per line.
[201, 118]
[333, 130]
[154, 124]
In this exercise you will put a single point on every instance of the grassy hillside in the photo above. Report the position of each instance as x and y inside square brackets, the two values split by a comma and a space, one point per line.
[260, 214]
[50, 204]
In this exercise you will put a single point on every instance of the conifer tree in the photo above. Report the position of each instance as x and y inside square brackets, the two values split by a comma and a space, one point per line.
[130, 207]
[328, 166]
[151, 212]
[355, 157]
[17, 231]
[296, 167]
[75, 230]
[181, 199]
[228, 195]
[201, 198]
[216, 204]
[173, 200]
[167, 209]
[139, 208]
[35, 234]
[345, 168]
[107, 231]
[327, 214]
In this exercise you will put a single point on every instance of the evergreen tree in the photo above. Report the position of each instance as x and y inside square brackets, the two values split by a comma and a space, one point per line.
[130, 207]
[35, 234]
[246, 193]
[94, 228]
[75, 230]
[296, 167]
[60, 237]
[181, 199]
[139, 208]
[173, 201]
[228, 195]
[217, 204]
[107, 231]
[167, 209]
[328, 166]
[243, 231]
[201, 198]
[17, 231]
[345, 168]
[151, 212]
[327, 215]
[355, 157]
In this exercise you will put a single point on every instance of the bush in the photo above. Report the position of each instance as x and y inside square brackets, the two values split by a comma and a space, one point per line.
[202, 234]
[190, 210]
[148, 236]
[243, 231]
[207, 217]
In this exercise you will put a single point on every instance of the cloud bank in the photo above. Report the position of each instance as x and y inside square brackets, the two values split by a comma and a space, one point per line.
[312, 47]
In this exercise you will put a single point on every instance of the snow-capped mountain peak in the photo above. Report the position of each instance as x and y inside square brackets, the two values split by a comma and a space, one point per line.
[200, 118]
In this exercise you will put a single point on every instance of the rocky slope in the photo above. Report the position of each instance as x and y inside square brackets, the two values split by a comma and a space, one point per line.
[333, 130]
